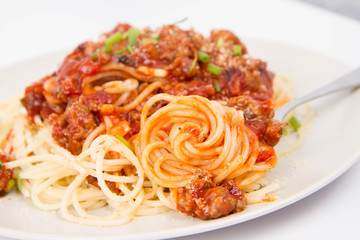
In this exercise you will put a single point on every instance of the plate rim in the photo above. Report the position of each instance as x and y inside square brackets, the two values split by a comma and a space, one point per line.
[214, 224]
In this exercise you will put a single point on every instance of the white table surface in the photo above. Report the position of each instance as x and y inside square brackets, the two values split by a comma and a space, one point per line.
[32, 28]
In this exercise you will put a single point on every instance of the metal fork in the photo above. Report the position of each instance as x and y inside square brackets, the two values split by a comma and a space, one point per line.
[350, 80]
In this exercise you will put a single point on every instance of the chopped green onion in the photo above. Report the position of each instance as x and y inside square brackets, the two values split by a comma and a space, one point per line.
[133, 33]
[105, 48]
[121, 51]
[285, 130]
[126, 143]
[129, 48]
[203, 57]
[192, 65]
[294, 123]
[217, 87]
[113, 39]
[94, 55]
[213, 69]
[155, 38]
[144, 40]
[10, 184]
[237, 50]
[125, 35]
[1, 165]
[220, 43]
[18, 180]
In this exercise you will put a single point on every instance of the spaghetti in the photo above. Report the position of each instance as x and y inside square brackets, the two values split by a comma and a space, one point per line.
[145, 121]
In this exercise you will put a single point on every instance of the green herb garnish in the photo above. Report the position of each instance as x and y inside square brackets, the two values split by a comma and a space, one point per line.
[237, 50]
[10, 184]
[155, 38]
[18, 180]
[213, 69]
[133, 34]
[295, 124]
[108, 43]
[192, 65]
[94, 55]
[126, 143]
[116, 37]
[220, 43]
[125, 35]
[285, 129]
[121, 51]
[203, 57]
[130, 49]
[105, 48]
[217, 87]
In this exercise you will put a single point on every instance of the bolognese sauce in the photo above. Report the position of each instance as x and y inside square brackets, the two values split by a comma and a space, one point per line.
[186, 63]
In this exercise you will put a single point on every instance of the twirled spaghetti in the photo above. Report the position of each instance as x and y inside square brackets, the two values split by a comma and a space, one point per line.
[192, 133]
[146, 121]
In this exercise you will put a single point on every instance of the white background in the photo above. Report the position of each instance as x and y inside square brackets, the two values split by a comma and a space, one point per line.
[33, 28]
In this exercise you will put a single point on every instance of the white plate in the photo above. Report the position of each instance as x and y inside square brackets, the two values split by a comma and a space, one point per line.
[332, 146]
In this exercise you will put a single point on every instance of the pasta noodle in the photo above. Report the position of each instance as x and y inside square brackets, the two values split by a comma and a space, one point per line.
[141, 123]
[200, 135]
[55, 179]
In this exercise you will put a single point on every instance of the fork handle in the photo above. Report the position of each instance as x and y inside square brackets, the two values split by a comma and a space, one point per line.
[350, 80]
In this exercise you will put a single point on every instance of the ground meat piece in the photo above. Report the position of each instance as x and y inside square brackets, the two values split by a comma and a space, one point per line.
[206, 200]
[59, 130]
[237, 193]
[70, 74]
[266, 154]
[173, 43]
[5, 174]
[231, 82]
[111, 185]
[180, 68]
[71, 128]
[81, 122]
[71, 105]
[258, 117]
[95, 100]
[227, 36]
[192, 87]
[124, 59]
[34, 99]
[273, 132]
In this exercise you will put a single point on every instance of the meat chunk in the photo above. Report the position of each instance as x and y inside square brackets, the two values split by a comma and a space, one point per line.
[227, 36]
[5, 174]
[258, 117]
[71, 128]
[111, 185]
[95, 100]
[34, 99]
[70, 102]
[206, 200]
